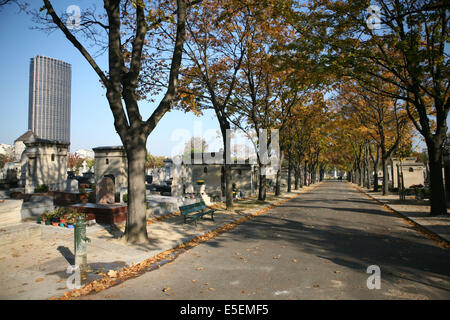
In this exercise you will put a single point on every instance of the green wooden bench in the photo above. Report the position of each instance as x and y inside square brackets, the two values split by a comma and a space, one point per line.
[192, 212]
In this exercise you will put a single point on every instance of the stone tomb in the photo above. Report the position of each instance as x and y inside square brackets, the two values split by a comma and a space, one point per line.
[413, 172]
[105, 211]
[47, 164]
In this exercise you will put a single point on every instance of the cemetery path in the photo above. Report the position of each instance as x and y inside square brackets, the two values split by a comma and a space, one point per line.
[316, 246]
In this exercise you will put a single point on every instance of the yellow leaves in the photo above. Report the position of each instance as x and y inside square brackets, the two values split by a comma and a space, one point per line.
[112, 273]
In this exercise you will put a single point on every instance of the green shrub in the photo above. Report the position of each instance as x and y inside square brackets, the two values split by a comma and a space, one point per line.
[66, 213]
[41, 188]
[125, 197]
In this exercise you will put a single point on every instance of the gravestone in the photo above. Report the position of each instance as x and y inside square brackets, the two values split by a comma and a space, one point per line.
[71, 185]
[105, 191]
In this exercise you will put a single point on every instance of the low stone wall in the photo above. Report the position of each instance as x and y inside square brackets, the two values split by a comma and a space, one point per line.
[36, 205]
[10, 210]
[162, 205]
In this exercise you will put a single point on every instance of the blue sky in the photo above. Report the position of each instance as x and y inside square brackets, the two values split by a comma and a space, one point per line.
[92, 120]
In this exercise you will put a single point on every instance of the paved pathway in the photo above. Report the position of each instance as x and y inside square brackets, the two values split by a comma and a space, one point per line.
[317, 246]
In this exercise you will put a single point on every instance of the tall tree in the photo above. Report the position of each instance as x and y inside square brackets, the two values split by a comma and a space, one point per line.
[408, 43]
[130, 27]
[216, 33]
[385, 119]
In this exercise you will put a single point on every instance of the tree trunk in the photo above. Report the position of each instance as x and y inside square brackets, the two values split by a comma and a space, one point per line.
[367, 166]
[262, 183]
[296, 177]
[375, 179]
[305, 174]
[361, 176]
[136, 226]
[438, 201]
[289, 183]
[278, 177]
[228, 187]
[224, 126]
[385, 176]
[375, 168]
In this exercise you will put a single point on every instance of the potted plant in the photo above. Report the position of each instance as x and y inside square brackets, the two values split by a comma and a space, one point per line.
[53, 217]
[42, 218]
[70, 222]
[63, 218]
[46, 218]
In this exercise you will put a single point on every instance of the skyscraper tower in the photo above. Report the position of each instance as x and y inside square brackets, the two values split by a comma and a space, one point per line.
[49, 98]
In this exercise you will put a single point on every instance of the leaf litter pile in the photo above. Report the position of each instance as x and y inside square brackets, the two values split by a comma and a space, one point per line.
[116, 277]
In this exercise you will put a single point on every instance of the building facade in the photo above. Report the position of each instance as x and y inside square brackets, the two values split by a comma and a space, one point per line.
[111, 161]
[49, 99]
[46, 164]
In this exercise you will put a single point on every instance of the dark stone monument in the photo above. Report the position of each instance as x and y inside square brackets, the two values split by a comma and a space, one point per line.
[105, 191]
[105, 211]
